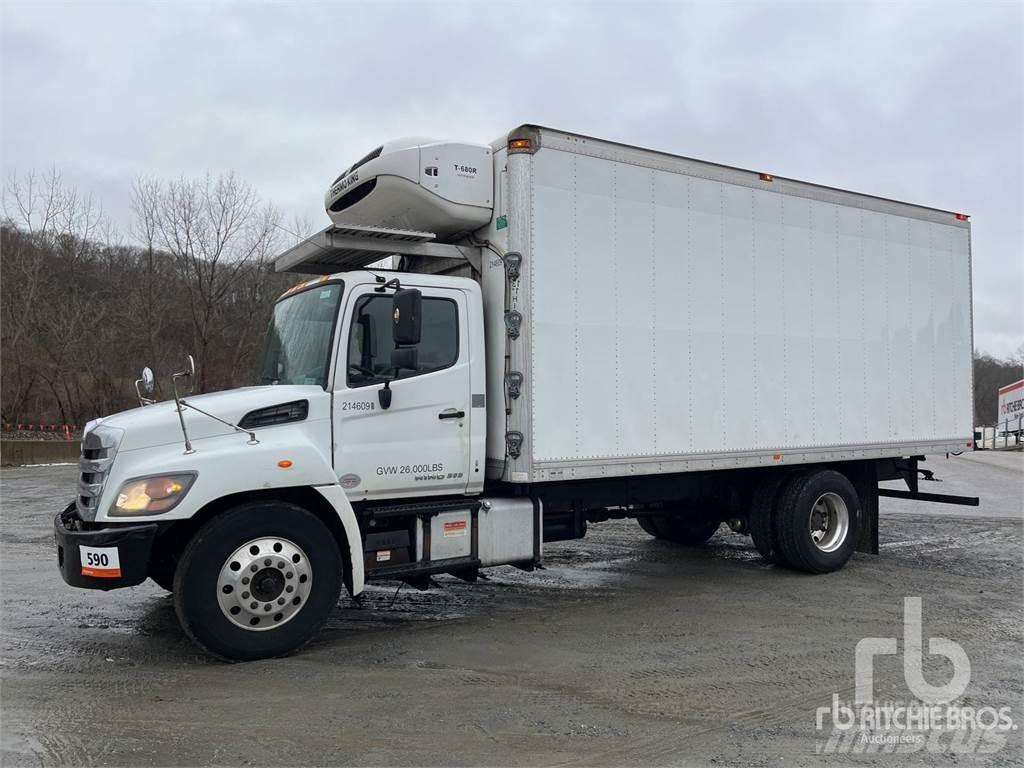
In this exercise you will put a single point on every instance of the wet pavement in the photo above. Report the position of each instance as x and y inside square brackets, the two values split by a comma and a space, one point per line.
[624, 650]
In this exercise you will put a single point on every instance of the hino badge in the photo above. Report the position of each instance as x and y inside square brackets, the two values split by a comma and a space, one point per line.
[574, 330]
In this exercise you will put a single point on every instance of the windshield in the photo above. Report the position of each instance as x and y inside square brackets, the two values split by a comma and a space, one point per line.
[298, 347]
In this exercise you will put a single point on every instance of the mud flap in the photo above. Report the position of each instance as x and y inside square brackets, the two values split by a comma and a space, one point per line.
[866, 483]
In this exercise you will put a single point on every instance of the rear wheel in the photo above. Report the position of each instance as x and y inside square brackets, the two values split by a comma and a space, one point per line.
[818, 519]
[763, 527]
[258, 581]
[690, 530]
[647, 523]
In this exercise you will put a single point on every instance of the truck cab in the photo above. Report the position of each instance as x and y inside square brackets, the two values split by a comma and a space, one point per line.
[359, 452]
[375, 440]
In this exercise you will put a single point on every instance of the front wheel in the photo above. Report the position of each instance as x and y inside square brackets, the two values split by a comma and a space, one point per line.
[257, 581]
[162, 565]
[162, 574]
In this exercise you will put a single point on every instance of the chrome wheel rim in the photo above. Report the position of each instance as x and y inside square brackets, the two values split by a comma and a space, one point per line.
[829, 522]
[264, 584]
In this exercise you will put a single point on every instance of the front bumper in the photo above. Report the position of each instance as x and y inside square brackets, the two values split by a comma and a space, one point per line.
[101, 558]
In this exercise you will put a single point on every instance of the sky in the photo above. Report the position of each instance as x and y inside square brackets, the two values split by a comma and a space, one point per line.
[910, 100]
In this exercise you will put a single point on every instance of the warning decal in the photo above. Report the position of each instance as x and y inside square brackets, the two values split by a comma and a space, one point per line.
[455, 528]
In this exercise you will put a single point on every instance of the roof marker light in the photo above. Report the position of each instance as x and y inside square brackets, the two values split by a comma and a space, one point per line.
[766, 177]
[519, 144]
[961, 217]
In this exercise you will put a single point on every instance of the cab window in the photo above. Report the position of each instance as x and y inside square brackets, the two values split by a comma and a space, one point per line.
[370, 342]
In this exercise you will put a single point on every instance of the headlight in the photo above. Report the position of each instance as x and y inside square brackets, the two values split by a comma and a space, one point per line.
[152, 495]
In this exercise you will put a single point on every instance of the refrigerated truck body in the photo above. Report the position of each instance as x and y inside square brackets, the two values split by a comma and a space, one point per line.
[577, 330]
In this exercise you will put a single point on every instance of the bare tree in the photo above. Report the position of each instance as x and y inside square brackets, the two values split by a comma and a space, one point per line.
[81, 311]
[989, 375]
[44, 307]
[216, 232]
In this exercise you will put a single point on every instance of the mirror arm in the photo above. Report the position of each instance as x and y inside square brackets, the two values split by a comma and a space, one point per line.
[145, 382]
[181, 416]
[252, 435]
[393, 283]
[143, 400]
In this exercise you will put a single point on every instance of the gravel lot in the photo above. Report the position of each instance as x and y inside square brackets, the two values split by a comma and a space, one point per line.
[624, 650]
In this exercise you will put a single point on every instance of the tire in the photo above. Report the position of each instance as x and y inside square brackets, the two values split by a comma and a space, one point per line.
[162, 573]
[647, 523]
[691, 531]
[818, 521]
[762, 518]
[294, 575]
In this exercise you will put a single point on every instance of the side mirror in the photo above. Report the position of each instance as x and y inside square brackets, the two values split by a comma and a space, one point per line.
[144, 386]
[189, 373]
[405, 332]
[401, 357]
[191, 370]
[405, 312]
[404, 357]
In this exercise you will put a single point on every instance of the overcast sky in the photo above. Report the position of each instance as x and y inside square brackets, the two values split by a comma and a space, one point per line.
[912, 101]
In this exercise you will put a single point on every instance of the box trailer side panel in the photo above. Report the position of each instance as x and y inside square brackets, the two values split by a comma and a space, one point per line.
[689, 317]
[1010, 410]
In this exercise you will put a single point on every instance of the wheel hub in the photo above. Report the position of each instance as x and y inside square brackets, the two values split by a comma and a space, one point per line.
[829, 522]
[268, 584]
[264, 583]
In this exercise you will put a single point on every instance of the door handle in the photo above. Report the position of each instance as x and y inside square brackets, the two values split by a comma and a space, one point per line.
[452, 415]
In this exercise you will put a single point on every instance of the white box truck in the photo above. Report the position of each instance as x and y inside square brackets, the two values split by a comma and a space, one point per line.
[576, 330]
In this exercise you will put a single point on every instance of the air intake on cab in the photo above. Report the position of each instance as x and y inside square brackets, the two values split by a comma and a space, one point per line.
[420, 184]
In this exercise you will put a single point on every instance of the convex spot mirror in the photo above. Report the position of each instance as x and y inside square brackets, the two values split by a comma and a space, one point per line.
[405, 313]
[190, 372]
[147, 381]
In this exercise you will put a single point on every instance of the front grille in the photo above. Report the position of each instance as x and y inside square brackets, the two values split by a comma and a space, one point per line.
[99, 445]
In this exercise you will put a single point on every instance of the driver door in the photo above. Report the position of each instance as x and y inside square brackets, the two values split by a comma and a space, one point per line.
[420, 445]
